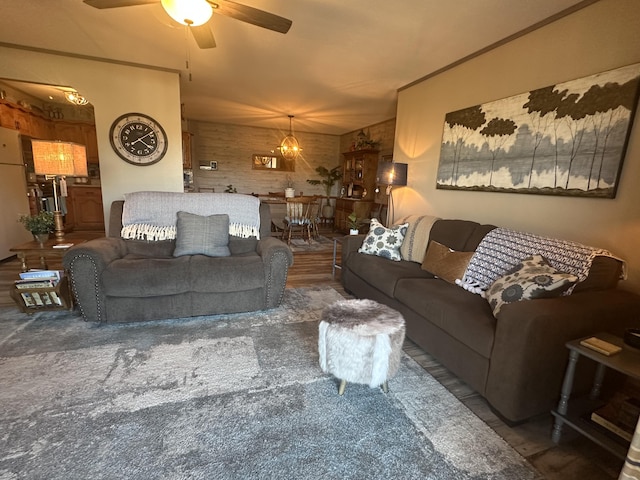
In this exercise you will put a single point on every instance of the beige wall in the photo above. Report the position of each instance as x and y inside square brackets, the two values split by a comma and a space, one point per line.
[113, 90]
[600, 37]
[233, 145]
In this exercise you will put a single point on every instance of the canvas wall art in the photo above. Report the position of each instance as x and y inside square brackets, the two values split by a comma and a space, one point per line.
[565, 139]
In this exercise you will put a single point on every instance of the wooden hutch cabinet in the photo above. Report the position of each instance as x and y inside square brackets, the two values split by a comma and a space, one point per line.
[359, 169]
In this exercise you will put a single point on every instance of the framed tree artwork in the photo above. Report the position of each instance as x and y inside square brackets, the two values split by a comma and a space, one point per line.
[565, 139]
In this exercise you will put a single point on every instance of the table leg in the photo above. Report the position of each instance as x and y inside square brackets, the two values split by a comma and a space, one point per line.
[333, 265]
[597, 381]
[43, 263]
[23, 261]
[567, 386]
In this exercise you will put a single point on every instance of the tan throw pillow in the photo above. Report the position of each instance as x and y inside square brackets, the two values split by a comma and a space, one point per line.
[445, 263]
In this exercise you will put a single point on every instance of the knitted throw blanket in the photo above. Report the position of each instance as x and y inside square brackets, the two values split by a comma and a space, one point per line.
[153, 215]
[502, 249]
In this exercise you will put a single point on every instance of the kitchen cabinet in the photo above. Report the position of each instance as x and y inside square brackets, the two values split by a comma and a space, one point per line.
[84, 208]
[34, 125]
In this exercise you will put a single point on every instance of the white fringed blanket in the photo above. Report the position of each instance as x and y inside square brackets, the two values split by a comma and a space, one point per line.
[153, 215]
[502, 249]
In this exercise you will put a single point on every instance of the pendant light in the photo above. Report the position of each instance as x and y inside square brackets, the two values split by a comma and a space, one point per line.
[290, 147]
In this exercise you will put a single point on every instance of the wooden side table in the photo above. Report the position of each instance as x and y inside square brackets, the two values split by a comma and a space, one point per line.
[42, 251]
[572, 412]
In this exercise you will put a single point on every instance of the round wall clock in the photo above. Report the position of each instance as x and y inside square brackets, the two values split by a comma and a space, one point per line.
[138, 139]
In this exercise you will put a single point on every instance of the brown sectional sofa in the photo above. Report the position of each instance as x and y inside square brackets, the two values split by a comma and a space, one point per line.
[517, 360]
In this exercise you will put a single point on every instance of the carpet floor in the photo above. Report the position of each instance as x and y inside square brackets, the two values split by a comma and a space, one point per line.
[224, 397]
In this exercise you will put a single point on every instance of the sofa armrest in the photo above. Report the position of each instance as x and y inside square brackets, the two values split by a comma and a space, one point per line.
[529, 355]
[351, 244]
[277, 258]
[85, 263]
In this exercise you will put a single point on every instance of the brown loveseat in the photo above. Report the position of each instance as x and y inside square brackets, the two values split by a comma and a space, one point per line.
[125, 280]
[517, 360]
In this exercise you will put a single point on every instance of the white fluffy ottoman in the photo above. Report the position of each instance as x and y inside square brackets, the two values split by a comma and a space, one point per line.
[360, 341]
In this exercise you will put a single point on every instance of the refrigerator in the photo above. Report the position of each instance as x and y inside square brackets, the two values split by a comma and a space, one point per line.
[14, 201]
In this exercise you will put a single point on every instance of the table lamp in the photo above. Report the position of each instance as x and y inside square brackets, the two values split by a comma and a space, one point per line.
[392, 175]
[53, 159]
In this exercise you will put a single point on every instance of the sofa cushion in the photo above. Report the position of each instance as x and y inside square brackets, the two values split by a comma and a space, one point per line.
[150, 249]
[384, 242]
[202, 235]
[460, 235]
[445, 263]
[382, 273]
[226, 274]
[531, 278]
[605, 272]
[136, 276]
[461, 314]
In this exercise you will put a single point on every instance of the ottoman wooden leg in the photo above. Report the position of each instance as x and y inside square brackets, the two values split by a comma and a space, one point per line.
[343, 385]
[385, 387]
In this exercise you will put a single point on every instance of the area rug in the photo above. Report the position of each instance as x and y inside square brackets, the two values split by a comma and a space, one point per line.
[222, 397]
[319, 244]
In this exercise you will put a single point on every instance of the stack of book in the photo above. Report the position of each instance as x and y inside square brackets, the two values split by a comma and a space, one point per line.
[32, 281]
[620, 415]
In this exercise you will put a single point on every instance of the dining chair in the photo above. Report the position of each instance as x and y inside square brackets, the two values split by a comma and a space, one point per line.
[300, 217]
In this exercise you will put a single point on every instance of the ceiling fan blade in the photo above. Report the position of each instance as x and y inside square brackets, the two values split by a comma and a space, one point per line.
[203, 36]
[251, 15]
[118, 3]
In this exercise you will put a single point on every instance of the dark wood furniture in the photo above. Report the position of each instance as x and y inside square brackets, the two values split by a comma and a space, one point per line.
[57, 297]
[41, 251]
[84, 208]
[574, 412]
[359, 169]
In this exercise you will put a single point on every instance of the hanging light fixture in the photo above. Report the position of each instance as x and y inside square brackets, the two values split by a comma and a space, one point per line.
[75, 98]
[290, 147]
[192, 12]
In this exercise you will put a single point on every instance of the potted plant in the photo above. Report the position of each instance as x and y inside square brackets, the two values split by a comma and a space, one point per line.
[329, 179]
[353, 222]
[40, 225]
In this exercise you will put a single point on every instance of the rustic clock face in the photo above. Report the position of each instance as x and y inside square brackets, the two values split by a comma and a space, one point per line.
[138, 139]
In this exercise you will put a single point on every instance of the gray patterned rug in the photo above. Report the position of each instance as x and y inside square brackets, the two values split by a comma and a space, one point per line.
[224, 397]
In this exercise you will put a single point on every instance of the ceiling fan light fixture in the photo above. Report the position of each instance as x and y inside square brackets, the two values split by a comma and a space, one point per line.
[188, 12]
[289, 146]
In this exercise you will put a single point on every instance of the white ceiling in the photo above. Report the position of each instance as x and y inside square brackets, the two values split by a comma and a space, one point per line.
[337, 69]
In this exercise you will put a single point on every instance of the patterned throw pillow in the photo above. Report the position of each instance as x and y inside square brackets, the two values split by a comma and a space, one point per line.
[532, 278]
[384, 242]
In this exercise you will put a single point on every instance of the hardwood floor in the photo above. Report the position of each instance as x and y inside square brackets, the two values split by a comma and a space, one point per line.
[575, 457]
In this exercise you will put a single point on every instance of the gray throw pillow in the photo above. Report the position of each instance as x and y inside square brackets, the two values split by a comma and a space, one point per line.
[198, 235]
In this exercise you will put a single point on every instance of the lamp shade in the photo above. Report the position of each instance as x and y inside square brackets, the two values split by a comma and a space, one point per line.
[59, 158]
[392, 174]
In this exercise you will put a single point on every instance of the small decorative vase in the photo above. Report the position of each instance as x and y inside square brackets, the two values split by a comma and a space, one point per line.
[41, 237]
[289, 192]
[353, 231]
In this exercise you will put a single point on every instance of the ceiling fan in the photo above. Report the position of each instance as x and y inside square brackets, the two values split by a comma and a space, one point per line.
[196, 13]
